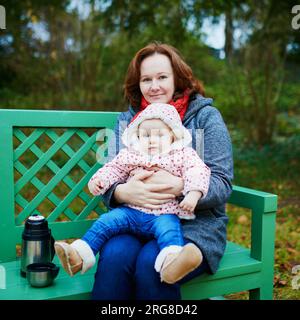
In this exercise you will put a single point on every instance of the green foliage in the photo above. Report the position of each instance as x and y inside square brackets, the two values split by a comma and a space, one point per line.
[276, 169]
[289, 100]
[79, 74]
[82, 63]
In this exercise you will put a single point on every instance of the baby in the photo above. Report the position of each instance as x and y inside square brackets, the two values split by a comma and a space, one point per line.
[155, 139]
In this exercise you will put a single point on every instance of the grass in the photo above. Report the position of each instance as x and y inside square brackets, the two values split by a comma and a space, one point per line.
[274, 169]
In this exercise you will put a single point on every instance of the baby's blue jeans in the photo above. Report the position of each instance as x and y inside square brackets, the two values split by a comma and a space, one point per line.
[124, 237]
[165, 228]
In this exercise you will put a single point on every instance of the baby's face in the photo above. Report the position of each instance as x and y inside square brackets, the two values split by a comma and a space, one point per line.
[155, 136]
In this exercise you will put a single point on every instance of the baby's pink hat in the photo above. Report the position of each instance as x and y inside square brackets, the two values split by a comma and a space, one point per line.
[165, 112]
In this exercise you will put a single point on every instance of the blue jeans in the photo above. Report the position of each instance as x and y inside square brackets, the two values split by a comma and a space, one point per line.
[125, 271]
[166, 228]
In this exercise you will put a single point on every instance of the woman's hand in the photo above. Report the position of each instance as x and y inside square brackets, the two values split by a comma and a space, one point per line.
[161, 176]
[148, 195]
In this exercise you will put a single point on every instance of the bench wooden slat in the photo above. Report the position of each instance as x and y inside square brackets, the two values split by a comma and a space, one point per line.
[59, 118]
[81, 285]
[27, 142]
[221, 287]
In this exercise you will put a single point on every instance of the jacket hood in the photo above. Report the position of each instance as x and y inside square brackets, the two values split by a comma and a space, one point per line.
[197, 102]
[165, 112]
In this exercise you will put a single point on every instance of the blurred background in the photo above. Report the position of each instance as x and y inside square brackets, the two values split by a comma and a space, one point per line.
[73, 55]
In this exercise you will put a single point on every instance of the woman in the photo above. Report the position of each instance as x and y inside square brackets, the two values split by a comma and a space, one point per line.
[157, 73]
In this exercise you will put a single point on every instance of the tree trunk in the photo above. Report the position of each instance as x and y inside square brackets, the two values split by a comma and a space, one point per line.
[228, 34]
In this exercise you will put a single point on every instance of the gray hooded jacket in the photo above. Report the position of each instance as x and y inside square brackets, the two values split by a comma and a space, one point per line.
[212, 142]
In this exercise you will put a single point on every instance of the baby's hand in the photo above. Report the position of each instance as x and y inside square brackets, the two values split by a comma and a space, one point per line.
[95, 186]
[190, 201]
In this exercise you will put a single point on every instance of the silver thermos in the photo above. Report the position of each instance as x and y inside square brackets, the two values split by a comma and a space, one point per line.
[37, 242]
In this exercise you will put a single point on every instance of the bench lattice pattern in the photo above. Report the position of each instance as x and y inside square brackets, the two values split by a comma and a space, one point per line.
[51, 163]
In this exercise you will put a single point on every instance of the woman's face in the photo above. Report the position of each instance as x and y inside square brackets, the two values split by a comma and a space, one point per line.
[157, 79]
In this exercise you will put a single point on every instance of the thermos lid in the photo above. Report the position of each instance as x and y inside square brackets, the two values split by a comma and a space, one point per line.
[36, 225]
[36, 217]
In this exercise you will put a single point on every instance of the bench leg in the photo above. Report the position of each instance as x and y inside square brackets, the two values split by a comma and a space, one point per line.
[264, 293]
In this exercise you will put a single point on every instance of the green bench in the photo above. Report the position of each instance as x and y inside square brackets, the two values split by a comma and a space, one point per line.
[46, 160]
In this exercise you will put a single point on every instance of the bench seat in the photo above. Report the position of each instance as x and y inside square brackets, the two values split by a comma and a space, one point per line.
[79, 286]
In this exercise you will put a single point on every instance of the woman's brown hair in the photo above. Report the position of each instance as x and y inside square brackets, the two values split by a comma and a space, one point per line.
[183, 74]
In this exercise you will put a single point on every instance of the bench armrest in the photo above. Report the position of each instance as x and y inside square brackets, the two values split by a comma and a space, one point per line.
[263, 206]
[259, 201]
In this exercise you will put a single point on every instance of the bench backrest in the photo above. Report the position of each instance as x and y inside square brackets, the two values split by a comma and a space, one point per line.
[46, 161]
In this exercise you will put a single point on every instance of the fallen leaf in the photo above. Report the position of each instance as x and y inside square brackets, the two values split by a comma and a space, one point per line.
[283, 283]
[291, 250]
[243, 237]
[285, 266]
[243, 219]
[277, 282]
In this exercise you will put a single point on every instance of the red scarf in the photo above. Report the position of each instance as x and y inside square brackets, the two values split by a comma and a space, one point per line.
[180, 104]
